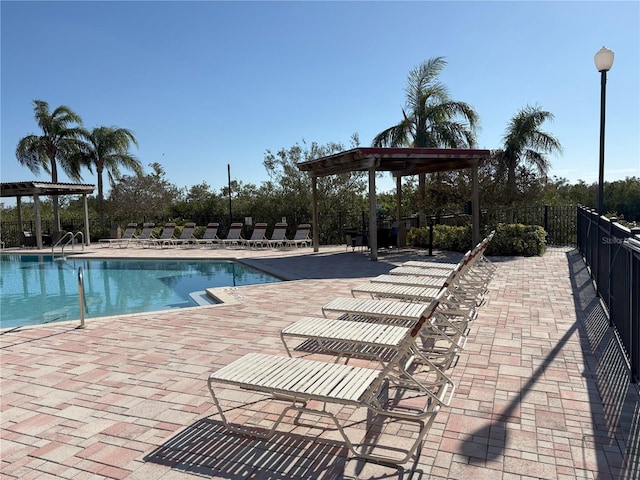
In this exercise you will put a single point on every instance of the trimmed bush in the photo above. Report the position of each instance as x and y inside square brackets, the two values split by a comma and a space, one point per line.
[518, 240]
[445, 237]
[509, 240]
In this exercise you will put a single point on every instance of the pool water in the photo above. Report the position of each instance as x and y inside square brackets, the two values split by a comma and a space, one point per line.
[37, 289]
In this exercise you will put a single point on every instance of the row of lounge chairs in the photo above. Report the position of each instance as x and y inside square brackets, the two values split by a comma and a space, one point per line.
[410, 326]
[210, 237]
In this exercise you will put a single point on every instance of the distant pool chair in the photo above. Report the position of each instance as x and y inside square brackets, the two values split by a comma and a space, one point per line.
[28, 239]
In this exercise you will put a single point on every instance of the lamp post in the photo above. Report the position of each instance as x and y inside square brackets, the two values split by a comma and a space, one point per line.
[603, 60]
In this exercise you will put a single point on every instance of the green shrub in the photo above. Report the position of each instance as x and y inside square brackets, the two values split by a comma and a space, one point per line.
[509, 240]
[518, 240]
[445, 237]
[418, 237]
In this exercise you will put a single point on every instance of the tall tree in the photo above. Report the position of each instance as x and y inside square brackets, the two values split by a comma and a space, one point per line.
[147, 197]
[525, 146]
[107, 148]
[62, 135]
[430, 118]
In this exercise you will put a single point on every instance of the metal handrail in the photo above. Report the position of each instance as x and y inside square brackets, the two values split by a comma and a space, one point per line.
[72, 236]
[81, 297]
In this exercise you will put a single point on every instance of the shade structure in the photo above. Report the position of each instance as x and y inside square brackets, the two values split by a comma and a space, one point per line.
[37, 189]
[400, 162]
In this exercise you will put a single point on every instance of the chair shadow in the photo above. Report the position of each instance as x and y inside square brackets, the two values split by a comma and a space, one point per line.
[208, 448]
[614, 401]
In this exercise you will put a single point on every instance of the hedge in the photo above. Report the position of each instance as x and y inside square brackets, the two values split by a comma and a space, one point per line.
[510, 239]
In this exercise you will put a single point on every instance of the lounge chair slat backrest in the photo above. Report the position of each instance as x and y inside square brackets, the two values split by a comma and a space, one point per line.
[187, 231]
[302, 235]
[167, 231]
[258, 236]
[259, 231]
[234, 236]
[302, 232]
[146, 236]
[210, 236]
[211, 232]
[186, 235]
[279, 235]
[129, 231]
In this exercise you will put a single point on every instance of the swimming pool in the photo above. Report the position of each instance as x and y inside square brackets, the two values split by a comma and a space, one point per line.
[37, 289]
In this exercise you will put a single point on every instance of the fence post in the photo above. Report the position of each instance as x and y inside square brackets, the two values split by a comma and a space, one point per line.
[430, 236]
[546, 219]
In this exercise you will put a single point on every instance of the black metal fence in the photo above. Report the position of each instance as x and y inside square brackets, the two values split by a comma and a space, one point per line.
[612, 253]
[559, 221]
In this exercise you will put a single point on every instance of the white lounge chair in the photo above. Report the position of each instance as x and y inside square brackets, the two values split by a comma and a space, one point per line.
[302, 236]
[234, 236]
[278, 236]
[186, 235]
[146, 235]
[357, 338]
[258, 236]
[308, 386]
[166, 237]
[128, 234]
[210, 236]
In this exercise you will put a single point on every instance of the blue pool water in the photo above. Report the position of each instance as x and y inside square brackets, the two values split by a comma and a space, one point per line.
[36, 289]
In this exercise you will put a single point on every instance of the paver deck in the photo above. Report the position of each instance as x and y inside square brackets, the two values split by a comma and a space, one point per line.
[542, 392]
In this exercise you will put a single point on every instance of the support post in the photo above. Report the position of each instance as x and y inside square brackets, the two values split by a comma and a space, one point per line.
[87, 239]
[373, 223]
[314, 213]
[36, 203]
[475, 204]
[401, 239]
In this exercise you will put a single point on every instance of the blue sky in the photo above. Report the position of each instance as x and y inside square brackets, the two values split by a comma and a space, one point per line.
[206, 84]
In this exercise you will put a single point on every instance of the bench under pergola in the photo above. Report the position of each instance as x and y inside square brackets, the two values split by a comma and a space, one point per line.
[400, 162]
[38, 189]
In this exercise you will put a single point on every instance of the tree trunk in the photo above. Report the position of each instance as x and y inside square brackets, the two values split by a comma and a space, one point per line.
[100, 200]
[54, 198]
[511, 193]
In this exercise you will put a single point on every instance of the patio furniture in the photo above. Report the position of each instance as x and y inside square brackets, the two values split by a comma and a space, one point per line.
[302, 236]
[210, 236]
[28, 239]
[234, 236]
[146, 237]
[128, 235]
[186, 236]
[278, 236]
[308, 386]
[258, 236]
[166, 237]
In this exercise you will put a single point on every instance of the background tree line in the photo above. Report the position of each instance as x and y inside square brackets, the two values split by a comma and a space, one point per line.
[514, 177]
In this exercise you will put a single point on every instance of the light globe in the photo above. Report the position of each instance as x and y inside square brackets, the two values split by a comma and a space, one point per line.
[603, 59]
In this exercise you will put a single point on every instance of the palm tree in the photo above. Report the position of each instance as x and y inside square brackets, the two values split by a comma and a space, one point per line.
[525, 145]
[430, 118]
[107, 148]
[61, 137]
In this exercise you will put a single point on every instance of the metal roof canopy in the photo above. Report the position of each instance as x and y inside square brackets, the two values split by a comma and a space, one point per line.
[400, 162]
[36, 189]
[30, 189]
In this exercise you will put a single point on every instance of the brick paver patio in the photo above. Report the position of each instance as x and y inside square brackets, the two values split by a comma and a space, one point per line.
[542, 392]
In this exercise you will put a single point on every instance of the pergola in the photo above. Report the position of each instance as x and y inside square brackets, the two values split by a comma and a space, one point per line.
[400, 162]
[38, 189]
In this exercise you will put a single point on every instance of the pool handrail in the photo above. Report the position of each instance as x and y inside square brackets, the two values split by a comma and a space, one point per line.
[71, 240]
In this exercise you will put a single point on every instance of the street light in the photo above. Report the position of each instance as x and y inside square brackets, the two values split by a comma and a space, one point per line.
[603, 60]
